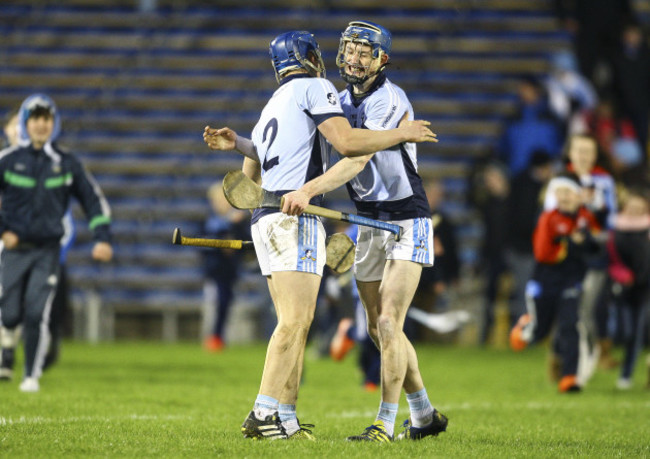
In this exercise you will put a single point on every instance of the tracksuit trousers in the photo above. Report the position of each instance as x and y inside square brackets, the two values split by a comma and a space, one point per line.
[29, 279]
[559, 308]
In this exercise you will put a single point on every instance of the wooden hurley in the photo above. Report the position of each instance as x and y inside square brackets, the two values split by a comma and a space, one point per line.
[242, 193]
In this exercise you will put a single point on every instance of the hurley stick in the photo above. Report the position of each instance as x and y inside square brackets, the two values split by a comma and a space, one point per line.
[339, 248]
[179, 239]
[242, 193]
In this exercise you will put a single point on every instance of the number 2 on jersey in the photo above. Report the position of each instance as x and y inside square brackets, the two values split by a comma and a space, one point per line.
[272, 126]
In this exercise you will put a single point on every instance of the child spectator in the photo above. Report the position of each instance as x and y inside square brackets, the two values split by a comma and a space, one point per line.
[629, 249]
[600, 199]
[562, 237]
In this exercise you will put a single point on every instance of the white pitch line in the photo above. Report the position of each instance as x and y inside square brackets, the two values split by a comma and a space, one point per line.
[488, 406]
[344, 414]
[134, 417]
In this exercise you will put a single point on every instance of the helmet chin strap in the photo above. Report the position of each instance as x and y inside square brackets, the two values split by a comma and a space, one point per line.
[354, 80]
[358, 81]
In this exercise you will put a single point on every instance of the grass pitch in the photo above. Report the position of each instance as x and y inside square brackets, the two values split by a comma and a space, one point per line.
[158, 400]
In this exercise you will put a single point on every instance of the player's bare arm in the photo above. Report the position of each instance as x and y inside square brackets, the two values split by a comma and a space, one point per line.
[342, 172]
[253, 170]
[226, 139]
[358, 142]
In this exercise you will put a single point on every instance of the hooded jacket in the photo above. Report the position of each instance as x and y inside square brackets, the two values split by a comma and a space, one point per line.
[36, 185]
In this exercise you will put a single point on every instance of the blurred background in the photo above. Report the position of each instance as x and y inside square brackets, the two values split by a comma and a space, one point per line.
[136, 82]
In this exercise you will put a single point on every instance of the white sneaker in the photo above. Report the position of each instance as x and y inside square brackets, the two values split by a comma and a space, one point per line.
[624, 384]
[29, 385]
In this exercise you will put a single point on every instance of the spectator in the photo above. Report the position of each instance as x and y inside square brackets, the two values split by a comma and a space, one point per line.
[596, 27]
[561, 238]
[600, 199]
[533, 128]
[632, 81]
[524, 207]
[11, 128]
[616, 137]
[490, 195]
[34, 201]
[571, 95]
[581, 154]
[629, 248]
[60, 302]
[437, 282]
[221, 266]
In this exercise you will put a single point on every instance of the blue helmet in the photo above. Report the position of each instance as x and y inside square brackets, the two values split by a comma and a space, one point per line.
[290, 51]
[366, 33]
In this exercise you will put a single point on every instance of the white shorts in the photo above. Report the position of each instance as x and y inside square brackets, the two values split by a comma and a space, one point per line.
[289, 243]
[375, 246]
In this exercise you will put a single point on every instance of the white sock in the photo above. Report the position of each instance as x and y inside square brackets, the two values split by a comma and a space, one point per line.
[265, 406]
[421, 408]
[288, 418]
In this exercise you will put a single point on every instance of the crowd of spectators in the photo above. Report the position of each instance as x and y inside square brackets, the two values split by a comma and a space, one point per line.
[598, 91]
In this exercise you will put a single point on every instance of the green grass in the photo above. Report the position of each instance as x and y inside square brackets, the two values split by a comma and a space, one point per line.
[157, 400]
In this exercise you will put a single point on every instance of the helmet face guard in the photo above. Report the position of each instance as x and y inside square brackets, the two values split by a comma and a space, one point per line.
[363, 33]
[292, 50]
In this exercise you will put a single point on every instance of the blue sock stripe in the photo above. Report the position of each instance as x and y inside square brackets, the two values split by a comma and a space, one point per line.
[421, 247]
[414, 257]
[307, 240]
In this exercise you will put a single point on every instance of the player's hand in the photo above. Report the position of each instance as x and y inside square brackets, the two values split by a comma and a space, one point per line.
[295, 202]
[417, 131]
[220, 139]
[10, 240]
[102, 251]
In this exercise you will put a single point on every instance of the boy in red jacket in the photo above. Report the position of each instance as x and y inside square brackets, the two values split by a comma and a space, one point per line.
[562, 238]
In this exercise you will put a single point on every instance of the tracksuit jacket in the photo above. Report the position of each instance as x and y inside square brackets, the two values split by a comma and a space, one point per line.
[36, 186]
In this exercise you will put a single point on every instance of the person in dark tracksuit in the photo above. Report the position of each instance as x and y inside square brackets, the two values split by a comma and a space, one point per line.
[37, 179]
[562, 238]
[221, 266]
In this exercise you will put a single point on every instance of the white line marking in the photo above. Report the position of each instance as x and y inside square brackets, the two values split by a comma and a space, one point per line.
[133, 417]
[489, 406]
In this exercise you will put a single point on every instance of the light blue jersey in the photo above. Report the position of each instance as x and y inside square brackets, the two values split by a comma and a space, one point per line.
[288, 144]
[389, 187]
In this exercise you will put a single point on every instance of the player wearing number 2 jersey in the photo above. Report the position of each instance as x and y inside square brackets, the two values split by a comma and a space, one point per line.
[287, 148]
[383, 186]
